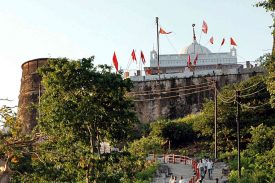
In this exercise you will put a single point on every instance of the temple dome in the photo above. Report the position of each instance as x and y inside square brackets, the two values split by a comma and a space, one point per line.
[195, 48]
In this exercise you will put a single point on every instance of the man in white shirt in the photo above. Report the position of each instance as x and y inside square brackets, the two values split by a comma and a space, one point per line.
[209, 168]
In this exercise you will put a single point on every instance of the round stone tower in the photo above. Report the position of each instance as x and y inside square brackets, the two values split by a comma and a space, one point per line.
[30, 92]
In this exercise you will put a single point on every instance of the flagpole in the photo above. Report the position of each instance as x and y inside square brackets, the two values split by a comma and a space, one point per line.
[157, 22]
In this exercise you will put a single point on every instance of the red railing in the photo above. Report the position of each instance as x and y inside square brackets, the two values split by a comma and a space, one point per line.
[173, 158]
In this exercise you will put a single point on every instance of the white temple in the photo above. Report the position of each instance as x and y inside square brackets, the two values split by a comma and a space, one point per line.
[175, 65]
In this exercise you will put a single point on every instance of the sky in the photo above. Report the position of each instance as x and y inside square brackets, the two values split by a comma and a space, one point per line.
[82, 28]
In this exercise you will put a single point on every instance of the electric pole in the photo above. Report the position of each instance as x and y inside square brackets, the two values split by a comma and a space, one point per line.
[215, 88]
[238, 131]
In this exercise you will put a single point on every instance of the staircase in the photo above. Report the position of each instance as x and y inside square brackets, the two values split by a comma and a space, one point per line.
[178, 165]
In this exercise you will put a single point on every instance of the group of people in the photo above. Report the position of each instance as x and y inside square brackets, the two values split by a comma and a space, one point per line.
[173, 179]
[205, 166]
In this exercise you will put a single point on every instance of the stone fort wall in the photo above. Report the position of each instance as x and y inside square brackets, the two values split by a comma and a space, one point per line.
[171, 98]
[155, 99]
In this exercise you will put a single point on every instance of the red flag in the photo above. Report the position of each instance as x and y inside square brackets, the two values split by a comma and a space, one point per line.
[204, 27]
[211, 40]
[232, 42]
[134, 55]
[161, 31]
[189, 60]
[196, 59]
[223, 40]
[115, 61]
[142, 57]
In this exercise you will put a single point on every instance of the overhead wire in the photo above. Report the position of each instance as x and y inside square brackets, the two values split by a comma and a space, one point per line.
[252, 93]
[225, 101]
[250, 86]
[171, 44]
[226, 98]
[180, 90]
[172, 96]
[252, 107]
[175, 88]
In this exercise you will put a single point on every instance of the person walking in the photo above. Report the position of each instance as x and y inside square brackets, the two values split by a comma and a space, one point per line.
[171, 179]
[201, 167]
[209, 168]
[182, 180]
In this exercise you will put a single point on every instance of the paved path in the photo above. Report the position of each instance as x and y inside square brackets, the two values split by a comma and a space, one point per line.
[187, 172]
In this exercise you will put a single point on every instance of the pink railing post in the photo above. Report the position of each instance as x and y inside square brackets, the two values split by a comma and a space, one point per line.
[174, 158]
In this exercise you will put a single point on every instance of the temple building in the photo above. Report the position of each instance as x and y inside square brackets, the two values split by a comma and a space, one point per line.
[206, 61]
[184, 64]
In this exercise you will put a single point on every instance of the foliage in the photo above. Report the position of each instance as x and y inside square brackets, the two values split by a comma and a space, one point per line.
[15, 148]
[81, 106]
[253, 93]
[146, 145]
[263, 138]
[258, 159]
[178, 132]
[147, 174]
[269, 5]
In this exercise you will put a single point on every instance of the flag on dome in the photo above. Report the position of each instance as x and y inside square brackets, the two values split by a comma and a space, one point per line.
[223, 40]
[162, 31]
[115, 62]
[211, 40]
[204, 27]
[196, 59]
[133, 54]
[189, 60]
[142, 57]
[232, 42]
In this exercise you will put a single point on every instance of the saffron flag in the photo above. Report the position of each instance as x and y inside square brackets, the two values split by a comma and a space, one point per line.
[232, 42]
[196, 59]
[189, 60]
[115, 62]
[161, 31]
[223, 40]
[142, 57]
[211, 40]
[134, 55]
[204, 27]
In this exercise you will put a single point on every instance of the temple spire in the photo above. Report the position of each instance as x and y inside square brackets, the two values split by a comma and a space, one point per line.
[194, 34]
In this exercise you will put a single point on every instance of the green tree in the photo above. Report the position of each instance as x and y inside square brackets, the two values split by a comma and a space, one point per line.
[82, 105]
[15, 149]
[269, 6]
[255, 109]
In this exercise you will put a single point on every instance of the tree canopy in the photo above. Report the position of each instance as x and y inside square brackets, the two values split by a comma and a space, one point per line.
[81, 106]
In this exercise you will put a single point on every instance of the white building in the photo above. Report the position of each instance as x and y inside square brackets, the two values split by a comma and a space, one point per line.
[176, 65]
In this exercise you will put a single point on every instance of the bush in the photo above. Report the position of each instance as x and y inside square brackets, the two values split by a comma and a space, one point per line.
[147, 174]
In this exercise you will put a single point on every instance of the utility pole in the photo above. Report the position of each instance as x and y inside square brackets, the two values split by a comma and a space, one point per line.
[238, 131]
[157, 22]
[215, 88]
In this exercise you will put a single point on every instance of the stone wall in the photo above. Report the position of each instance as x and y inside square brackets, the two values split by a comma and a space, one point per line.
[29, 93]
[171, 98]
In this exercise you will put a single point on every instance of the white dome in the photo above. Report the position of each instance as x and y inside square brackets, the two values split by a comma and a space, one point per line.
[195, 48]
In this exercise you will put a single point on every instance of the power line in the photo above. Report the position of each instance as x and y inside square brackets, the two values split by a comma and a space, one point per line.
[171, 91]
[250, 86]
[252, 107]
[252, 93]
[5, 99]
[225, 101]
[175, 88]
[173, 96]
[225, 98]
